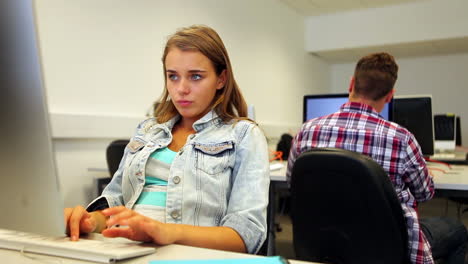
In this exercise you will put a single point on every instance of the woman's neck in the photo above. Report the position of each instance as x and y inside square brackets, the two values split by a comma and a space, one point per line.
[184, 125]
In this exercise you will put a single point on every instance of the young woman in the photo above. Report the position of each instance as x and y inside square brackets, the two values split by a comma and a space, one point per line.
[197, 174]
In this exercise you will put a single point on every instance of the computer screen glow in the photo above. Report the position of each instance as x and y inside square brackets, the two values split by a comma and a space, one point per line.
[325, 104]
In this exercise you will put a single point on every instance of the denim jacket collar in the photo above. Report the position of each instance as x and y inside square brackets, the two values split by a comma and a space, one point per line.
[209, 119]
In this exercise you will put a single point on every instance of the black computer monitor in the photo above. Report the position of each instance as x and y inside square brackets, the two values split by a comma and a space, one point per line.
[324, 104]
[458, 140]
[445, 132]
[415, 114]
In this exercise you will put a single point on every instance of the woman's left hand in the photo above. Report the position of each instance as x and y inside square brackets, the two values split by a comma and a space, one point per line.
[137, 227]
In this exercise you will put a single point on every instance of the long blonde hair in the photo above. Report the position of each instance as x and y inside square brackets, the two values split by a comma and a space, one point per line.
[228, 102]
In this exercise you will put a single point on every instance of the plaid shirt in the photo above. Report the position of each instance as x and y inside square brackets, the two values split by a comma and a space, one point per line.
[358, 127]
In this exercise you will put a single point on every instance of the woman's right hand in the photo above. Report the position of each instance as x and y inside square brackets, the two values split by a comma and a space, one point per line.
[78, 220]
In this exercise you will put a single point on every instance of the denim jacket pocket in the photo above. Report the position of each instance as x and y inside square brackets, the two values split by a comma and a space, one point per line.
[135, 145]
[212, 158]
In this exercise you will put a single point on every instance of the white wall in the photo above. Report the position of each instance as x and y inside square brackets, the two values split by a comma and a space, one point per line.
[445, 77]
[102, 59]
[412, 22]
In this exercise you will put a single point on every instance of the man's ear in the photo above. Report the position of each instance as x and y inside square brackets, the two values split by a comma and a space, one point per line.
[351, 85]
[221, 80]
[389, 96]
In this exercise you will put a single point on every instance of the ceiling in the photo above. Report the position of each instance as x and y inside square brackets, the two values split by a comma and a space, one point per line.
[321, 7]
[414, 49]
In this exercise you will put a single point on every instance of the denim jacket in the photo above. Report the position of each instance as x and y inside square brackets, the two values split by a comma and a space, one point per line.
[220, 177]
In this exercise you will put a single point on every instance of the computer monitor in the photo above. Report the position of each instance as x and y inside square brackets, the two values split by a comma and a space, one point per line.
[29, 188]
[415, 114]
[318, 105]
[251, 112]
[458, 140]
[445, 129]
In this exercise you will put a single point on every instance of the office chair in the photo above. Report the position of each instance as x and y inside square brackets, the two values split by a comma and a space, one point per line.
[345, 210]
[114, 154]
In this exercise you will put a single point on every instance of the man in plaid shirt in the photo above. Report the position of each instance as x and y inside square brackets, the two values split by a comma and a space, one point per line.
[357, 126]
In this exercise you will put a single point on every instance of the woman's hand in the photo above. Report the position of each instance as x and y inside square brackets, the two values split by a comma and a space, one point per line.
[141, 228]
[137, 227]
[78, 220]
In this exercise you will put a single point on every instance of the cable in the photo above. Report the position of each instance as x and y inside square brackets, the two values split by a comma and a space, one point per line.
[437, 169]
[437, 161]
[277, 155]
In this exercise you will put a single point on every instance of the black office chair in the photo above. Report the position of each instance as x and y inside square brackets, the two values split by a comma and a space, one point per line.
[114, 154]
[345, 210]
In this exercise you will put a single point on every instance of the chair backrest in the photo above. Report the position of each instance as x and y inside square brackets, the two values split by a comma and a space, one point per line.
[114, 154]
[345, 210]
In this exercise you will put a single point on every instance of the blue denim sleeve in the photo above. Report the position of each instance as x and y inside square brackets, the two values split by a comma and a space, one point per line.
[250, 182]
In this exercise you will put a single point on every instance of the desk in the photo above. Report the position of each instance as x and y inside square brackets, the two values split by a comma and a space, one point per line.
[279, 175]
[170, 252]
[450, 181]
[453, 179]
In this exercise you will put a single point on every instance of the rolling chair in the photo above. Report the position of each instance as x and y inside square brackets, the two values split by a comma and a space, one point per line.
[114, 154]
[345, 210]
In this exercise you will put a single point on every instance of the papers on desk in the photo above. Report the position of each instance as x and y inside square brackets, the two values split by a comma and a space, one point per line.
[276, 166]
[259, 260]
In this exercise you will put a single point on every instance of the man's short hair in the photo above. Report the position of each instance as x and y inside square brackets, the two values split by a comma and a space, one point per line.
[375, 75]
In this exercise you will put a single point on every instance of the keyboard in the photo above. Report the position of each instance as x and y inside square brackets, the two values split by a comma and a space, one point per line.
[438, 156]
[102, 251]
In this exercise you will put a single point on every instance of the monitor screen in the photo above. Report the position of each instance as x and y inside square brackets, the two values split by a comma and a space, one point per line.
[29, 188]
[415, 114]
[444, 132]
[325, 104]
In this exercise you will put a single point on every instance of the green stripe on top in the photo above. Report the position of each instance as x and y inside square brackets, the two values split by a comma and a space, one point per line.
[165, 155]
[154, 181]
[152, 198]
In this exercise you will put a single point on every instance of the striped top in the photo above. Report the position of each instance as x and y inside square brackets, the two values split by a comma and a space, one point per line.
[152, 200]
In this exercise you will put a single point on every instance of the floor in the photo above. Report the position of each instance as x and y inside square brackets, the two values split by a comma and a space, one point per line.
[435, 207]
